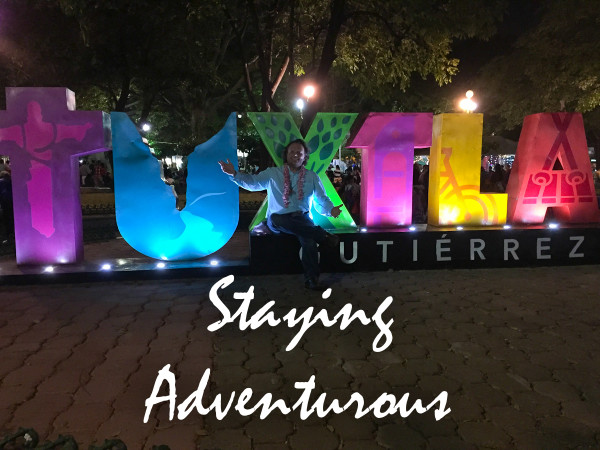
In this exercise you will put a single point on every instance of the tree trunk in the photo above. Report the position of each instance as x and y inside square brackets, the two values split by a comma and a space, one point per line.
[147, 106]
[328, 55]
[263, 49]
[124, 94]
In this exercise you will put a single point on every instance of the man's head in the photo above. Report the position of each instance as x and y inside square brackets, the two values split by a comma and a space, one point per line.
[296, 154]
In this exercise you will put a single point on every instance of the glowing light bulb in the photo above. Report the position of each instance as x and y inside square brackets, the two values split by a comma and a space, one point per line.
[309, 91]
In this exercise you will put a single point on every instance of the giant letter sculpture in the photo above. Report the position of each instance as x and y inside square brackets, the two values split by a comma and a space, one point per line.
[389, 141]
[43, 135]
[454, 174]
[552, 169]
[145, 206]
[326, 134]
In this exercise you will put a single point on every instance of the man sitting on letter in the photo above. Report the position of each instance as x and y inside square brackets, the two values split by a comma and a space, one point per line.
[289, 190]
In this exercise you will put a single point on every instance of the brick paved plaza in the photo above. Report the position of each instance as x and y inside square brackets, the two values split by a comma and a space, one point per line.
[517, 350]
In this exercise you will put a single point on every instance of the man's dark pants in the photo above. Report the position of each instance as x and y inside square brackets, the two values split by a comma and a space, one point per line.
[300, 225]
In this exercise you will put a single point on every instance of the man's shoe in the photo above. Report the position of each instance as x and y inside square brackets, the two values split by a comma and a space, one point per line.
[262, 229]
[312, 284]
[332, 240]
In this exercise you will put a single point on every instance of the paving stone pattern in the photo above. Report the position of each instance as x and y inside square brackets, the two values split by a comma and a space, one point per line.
[517, 350]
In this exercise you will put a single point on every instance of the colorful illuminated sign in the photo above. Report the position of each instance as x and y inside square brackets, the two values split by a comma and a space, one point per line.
[454, 174]
[552, 170]
[43, 135]
[389, 141]
[146, 211]
[325, 136]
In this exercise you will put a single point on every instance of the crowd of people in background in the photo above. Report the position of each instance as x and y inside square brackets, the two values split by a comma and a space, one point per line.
[494, 179]
[344, 175]
[175, 177]
[95, 174]
[347, 184]
[420, 192]
[6, 203]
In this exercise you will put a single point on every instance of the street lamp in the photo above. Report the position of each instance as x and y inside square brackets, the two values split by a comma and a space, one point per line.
[466, 104]
[309, 91]
[300, 106]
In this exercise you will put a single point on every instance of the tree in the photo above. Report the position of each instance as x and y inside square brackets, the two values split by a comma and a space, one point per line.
[186, 65]
[552, 67]
[168, 63]
[377, 46]
[32, 52]
[132, 47]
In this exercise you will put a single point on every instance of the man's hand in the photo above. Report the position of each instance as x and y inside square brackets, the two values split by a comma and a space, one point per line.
[227, 167]
[336, 211]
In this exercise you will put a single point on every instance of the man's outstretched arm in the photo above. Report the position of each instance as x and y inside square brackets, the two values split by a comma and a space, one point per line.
[323, 201]
[227, 167]
[256, 182]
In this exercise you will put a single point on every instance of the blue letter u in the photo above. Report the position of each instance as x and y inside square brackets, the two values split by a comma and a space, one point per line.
[146, 211]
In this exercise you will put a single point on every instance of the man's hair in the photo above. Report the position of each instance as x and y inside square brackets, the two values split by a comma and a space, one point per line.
[306, 151]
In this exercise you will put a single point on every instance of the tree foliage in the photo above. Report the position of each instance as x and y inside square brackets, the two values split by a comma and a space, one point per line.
[38, 44]
[171, 59]
[385, 43]
[552, 67]
[185, 65]
[376, 45]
